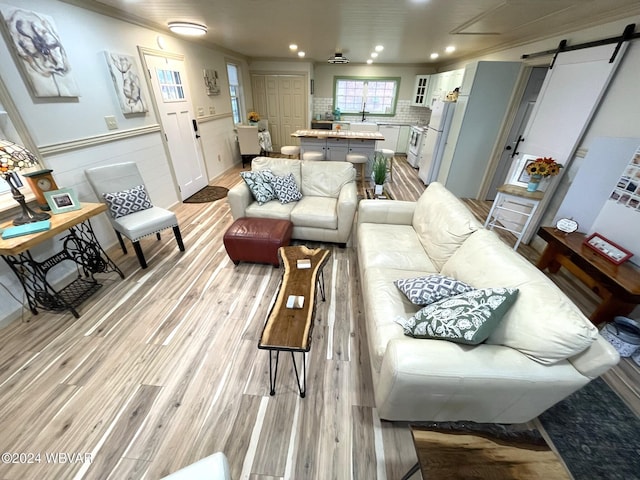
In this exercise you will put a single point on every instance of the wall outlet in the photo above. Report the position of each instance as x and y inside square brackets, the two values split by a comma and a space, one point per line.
[212, 110]
[112, 124]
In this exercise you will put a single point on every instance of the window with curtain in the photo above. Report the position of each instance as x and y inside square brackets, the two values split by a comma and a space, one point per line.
[377, 96]
[235, 92]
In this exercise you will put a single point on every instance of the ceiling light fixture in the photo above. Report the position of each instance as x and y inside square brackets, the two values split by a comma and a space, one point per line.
[369, 62]
[434, 56]
[301, 54]
[374, 55]
[293, 47]
[450, 49]
[187, 28]
[379, 48]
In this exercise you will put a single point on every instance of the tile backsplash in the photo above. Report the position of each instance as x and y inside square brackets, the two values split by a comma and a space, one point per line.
[405, 113]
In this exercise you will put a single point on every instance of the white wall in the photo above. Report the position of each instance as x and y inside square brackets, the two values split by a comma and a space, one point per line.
[71, 134]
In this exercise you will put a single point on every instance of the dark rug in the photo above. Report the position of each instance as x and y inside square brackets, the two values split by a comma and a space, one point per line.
[208, 194]
[596, 434]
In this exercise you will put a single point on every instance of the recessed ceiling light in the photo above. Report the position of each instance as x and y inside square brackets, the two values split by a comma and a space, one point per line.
[301, 54]
[374, 55]
[379, 48]
[187, 28]
[434, 56]
[369, 62]
[450, 49]
[293, 47]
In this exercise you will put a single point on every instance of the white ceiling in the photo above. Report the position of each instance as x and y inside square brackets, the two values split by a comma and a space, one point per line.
[409, 30]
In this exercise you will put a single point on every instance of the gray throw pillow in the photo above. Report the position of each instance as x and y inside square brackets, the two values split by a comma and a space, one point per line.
[260, 186]
[431, 288]
[466, 318]
[128, 201]
[286, 188]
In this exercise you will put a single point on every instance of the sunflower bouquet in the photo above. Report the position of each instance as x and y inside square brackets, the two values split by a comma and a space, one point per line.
[253, 117]
[544, 166]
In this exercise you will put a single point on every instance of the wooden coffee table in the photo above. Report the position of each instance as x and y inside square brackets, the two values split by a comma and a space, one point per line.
[479, 452]
[289, 329]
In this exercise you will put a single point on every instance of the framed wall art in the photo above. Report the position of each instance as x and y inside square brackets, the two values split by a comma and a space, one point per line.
[39, 53]
[126, 82]
[211, 82]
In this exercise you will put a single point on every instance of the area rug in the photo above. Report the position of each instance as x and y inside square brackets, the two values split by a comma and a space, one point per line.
[208, 194]
[596, 434]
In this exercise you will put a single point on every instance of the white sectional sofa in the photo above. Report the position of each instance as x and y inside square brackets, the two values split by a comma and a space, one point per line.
[542, 350]
[328, 205]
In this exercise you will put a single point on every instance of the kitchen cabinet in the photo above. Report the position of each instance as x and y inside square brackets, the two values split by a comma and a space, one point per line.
[420, 90]
[403, 139]
[337, 149]
[444, 83]
[391, 134]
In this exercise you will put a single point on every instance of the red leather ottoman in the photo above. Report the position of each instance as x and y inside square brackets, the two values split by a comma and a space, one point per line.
[257, 239]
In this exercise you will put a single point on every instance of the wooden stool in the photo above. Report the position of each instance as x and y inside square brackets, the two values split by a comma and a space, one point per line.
[388, 154]
[311, 155]
[361, 160]
[257, 239]
[290, 151]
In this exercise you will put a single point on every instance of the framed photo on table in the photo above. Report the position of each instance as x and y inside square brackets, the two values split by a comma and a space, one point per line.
[608, 249]
[62, 200]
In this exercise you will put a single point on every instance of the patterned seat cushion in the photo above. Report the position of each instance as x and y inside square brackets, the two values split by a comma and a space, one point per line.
[128, 201]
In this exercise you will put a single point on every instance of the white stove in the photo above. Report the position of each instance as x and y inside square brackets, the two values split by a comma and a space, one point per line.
[415, 144]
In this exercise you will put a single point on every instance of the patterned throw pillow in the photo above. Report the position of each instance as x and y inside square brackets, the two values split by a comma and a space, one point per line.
[429, 289]
[260, 186]
[286, 188]
[127, 201]
[466, 318]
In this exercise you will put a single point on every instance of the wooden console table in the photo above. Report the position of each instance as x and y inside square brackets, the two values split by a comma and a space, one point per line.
[79, 245]
[617, 285]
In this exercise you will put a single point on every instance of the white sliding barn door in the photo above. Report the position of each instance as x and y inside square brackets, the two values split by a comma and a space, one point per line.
[569, 96]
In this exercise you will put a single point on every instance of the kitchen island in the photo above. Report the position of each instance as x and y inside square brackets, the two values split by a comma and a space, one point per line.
[336, 144]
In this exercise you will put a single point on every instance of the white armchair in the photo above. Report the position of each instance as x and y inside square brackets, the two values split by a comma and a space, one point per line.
[146, 219]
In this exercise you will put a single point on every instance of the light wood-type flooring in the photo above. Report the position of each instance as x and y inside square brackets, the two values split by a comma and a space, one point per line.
[162, 369]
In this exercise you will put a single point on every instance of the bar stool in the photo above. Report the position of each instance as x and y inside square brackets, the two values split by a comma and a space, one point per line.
[311, 155]
[361, 160]
[290, 151]
[388, 154]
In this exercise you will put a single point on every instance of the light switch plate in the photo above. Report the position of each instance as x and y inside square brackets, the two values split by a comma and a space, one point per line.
[111, 121]
[212, 110]
[200, 111]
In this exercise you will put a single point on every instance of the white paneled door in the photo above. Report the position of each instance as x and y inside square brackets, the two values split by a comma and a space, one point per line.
[171, 92]
[282, 100]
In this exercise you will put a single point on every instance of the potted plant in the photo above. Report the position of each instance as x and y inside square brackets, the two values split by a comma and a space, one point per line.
[379, 173]
[253, 118]
[542, 167]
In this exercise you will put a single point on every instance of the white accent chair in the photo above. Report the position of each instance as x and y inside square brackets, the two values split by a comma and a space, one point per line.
[123, 176]
[213, 467]
[248, 141]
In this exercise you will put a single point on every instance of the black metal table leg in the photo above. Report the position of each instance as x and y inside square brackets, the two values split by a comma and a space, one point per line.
[321, 285]
[273, 373]
[413, 470]
[303, 389]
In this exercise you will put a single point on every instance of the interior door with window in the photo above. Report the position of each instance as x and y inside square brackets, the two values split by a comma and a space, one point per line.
[171, 94]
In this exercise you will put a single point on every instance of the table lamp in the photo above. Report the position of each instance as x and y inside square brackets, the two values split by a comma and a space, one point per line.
[13, 158]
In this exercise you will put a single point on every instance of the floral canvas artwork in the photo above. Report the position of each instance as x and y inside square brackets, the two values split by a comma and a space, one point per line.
[211, 82]
[126, 82]
[40, 53]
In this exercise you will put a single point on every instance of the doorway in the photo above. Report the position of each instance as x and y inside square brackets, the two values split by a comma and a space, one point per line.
[282, 100]
[515, 136]
[170, 88]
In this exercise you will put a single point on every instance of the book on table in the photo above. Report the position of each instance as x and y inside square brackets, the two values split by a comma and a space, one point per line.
[26, 229]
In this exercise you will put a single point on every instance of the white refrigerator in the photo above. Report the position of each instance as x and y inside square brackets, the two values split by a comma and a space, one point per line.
[434, 140]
